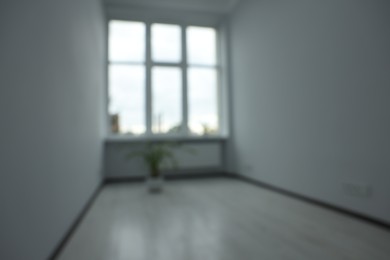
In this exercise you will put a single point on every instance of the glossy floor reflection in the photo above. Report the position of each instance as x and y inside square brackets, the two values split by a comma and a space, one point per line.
[217, 219]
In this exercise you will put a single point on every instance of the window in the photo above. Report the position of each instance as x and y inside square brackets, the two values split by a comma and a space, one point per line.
[127, 77]
[163, 79]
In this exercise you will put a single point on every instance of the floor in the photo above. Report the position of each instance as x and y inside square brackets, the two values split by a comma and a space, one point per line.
[218, 219]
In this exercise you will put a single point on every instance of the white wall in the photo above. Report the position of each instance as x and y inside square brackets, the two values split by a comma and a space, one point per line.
[193, 157]
[51, 108]
[311, 88]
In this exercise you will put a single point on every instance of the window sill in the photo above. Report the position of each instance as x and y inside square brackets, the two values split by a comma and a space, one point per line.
[124, 138]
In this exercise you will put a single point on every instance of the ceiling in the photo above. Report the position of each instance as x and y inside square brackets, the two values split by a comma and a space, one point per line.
[216, 6]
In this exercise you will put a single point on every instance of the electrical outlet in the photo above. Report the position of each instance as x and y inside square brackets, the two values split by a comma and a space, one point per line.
[357, 190]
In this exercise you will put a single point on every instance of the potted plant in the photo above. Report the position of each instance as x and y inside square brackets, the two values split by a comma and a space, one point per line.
[155, 155]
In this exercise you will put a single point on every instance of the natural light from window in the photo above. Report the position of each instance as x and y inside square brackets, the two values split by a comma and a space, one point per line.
[166, 99]
[147, 81]
[201, 46]
[127, 41]
[202, 94]
[166, 43]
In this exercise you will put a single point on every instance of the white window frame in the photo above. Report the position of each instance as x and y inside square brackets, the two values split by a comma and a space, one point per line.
[184, 133]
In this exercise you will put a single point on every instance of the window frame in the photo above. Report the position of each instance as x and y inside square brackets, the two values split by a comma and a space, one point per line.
[184, 133]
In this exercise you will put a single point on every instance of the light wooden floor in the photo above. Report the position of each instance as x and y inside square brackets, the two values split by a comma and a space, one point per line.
[218, 219]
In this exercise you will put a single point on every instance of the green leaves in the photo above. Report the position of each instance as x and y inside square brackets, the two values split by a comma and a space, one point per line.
[155, 154]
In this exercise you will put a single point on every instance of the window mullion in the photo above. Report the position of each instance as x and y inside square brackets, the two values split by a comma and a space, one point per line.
[148, 89]
[185, 128]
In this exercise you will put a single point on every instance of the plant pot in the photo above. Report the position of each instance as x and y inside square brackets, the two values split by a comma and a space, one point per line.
[155, 184]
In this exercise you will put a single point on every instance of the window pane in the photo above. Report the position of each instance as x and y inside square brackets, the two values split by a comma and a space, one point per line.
[127, 99]
[203, 102]
[201, 43]
[166, 43]
[126, 41]
[167, 98]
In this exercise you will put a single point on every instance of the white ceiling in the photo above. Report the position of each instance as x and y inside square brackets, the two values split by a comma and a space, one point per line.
[219, 6]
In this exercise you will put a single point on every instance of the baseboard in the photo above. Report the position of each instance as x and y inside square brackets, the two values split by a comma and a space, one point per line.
[129, 179]
[169, 177]
[350, 213]
[75, 224]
